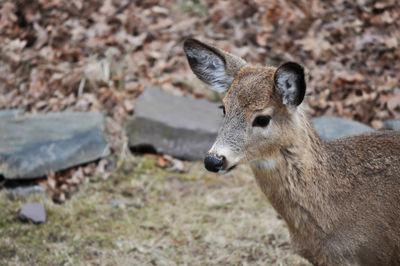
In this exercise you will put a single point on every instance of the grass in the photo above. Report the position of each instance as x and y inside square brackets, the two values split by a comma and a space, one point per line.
[145, 215]
[194, 7]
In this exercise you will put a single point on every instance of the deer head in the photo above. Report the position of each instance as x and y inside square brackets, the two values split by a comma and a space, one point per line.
[260, 105]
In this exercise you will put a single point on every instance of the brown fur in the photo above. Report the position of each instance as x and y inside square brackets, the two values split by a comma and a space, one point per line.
[340, 199]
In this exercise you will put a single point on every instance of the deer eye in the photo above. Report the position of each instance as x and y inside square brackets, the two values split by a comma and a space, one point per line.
[223, 108]
[261, 121]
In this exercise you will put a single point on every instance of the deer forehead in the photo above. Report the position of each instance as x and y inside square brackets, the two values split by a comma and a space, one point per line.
[251, 90]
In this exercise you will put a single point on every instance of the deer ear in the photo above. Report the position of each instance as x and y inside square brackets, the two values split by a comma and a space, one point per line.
[290, 84]
[213, 66]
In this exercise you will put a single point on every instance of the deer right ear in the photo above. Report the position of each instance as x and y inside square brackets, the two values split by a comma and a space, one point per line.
[213, 66]
[290, 84]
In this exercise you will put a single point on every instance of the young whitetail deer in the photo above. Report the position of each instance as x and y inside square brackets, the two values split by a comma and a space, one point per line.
[340, 199]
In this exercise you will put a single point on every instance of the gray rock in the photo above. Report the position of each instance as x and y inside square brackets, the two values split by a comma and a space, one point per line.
[392, 125]
[116, 202]
[24, 192]
[31, 146]
[180, 126]
[10, 113]
[34, 212]
[329, 128]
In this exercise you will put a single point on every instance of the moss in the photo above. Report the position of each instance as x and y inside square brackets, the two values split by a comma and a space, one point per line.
[188, 177]
[146, 165]
[194, 7]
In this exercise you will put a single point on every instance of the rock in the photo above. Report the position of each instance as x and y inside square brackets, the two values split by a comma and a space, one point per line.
[182, 127]
[117, 203]
[26, 191]
[34, 212]
[178, 166]
[10, 113]
[31, 146]
[329, 128]
[392, 125]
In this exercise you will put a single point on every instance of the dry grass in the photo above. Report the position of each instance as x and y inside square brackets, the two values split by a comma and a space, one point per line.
[162, 218]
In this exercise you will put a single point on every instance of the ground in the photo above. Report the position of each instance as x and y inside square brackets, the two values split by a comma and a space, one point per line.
[145, 215]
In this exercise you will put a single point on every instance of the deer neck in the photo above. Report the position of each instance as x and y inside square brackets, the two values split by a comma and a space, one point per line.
[294, 182]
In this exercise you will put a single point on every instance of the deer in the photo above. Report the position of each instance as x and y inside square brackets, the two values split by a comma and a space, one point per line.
[340, 199]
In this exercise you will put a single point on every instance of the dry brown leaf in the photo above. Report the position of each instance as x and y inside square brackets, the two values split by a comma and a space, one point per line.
[7, 16]
[393, 102]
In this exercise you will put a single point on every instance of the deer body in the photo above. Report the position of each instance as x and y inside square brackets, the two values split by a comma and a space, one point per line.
[337, 217]
[340, 199]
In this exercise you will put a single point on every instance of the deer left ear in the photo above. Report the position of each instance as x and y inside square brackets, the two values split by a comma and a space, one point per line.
[290, 84]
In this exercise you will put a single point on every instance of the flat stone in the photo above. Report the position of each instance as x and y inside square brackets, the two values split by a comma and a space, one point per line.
[392, 125]
[33, 211]
[180, 126]
[329, 128]
[33, 145]
[10, 113]
[26, 191]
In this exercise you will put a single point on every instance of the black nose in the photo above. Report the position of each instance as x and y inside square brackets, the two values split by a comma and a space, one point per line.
[214, 163]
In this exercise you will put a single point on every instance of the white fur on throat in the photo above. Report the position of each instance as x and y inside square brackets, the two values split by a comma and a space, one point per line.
[265, 164]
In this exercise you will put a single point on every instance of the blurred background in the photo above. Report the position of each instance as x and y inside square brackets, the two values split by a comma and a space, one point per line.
[100, 56]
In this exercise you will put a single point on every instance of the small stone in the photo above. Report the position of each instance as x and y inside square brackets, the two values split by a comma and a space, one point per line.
[24, 192]
[178, 166]
[117, 203]
[34, 212]
[392, 125]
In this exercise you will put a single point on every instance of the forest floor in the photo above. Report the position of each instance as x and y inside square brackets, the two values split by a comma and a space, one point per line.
[146, 215]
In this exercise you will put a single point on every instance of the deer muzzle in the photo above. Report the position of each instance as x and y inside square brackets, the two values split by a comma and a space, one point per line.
[214, 163]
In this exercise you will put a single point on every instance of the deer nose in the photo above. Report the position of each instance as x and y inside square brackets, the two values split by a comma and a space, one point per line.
[214, 163]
